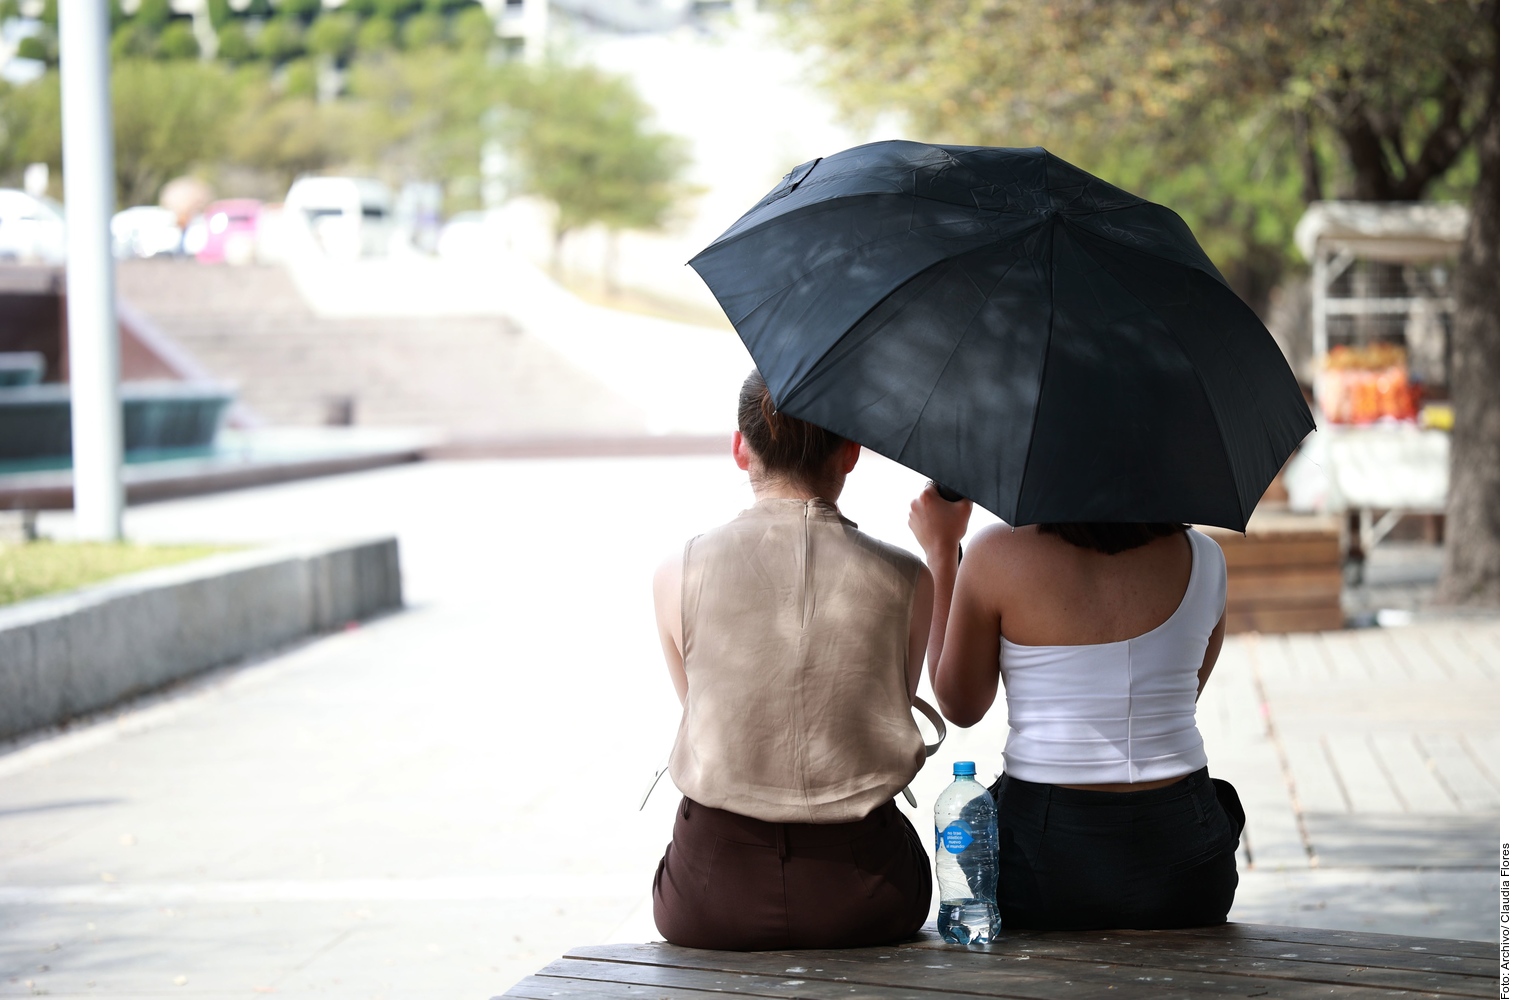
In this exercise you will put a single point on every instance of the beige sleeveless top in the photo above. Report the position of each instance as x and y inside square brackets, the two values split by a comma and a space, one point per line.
[796, 635]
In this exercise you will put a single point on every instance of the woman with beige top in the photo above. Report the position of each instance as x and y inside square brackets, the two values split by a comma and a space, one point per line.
[795, 642]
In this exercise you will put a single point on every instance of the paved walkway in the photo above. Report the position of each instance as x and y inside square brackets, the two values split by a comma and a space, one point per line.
[438, 803]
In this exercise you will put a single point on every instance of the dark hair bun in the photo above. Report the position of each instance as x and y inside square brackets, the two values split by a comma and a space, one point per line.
[788, 447]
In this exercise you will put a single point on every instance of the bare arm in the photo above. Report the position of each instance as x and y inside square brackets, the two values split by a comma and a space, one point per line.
[962, 654]
[1212, 653]
[667, 603]
[967, 669]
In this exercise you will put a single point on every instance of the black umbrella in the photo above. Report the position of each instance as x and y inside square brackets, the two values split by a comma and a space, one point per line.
[1013, 327]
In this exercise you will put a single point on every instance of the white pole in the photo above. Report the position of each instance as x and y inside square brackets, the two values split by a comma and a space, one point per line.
[94, 362]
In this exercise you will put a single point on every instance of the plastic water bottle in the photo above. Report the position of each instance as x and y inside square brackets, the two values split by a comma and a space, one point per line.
[967, 859]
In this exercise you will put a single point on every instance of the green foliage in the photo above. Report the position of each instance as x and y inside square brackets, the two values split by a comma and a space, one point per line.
[376, 35]
[233, 44]
[305, 10]
[288, 135]
[133, 41]
[300, 78]
[420, 113]
[168, 118]
[333, 35]
[579, 138]
[472, 28]
[37, 568]
[30, 126]
[281, 39]
[423, 30]
[36, 47]
[1233, 112]
[152, 14]
[585, 142]
[177, 41]
[396, 10]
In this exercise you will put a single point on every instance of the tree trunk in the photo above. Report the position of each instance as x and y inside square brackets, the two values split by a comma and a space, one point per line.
[1471, 575]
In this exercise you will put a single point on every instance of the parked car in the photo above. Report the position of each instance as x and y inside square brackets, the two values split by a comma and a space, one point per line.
[346, 217]
[231, 231]
[144, 231]
[31, 228]
[466, 236]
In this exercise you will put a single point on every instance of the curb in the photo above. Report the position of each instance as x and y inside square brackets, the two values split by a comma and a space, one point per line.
[74, 653]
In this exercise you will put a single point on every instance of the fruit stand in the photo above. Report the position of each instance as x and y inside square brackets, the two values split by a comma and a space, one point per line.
[1381, 313]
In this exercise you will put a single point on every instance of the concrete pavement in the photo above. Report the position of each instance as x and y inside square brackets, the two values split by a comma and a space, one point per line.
[442, 801]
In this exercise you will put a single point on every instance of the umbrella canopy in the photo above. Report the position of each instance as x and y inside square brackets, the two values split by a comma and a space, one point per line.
[1013, 327]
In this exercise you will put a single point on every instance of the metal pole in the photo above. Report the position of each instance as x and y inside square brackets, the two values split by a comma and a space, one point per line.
[94, 362]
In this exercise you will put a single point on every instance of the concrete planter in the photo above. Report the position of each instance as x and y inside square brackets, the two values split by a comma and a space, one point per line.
[79, 652]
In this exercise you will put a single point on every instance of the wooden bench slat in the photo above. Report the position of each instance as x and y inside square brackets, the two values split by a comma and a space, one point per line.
[1150, 945]
[907, 977]
[744, 974]
[1228, 960]
[1046, 971]
[1356, 939]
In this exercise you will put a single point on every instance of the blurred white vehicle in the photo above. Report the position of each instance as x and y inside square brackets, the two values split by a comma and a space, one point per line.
[347, 217]
[144, 231]
[31, 229]
[469, 235]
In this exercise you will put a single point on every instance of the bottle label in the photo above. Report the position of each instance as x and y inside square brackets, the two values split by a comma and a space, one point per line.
[955, 838]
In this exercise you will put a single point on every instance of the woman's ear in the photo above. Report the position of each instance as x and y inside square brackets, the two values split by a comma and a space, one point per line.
[850, 453]
[740, 452]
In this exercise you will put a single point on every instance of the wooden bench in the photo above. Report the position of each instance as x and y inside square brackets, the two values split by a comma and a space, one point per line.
[1284, 574]
[1243, 960]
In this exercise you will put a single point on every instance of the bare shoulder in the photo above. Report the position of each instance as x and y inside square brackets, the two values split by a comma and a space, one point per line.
[670, 573]
[1002, 551]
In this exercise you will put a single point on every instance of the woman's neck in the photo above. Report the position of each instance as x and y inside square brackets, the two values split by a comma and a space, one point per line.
[784, 489]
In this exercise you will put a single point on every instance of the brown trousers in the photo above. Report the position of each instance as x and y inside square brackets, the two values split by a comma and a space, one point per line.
[735, 883]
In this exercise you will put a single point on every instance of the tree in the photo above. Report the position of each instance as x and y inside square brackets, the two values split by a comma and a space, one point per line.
[1235, 112]
[168, 118]
[419, 113]
[585, 142]
[1472, 568]
[333, 35]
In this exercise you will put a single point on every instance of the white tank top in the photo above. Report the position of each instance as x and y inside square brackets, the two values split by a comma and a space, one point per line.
[1116, 712]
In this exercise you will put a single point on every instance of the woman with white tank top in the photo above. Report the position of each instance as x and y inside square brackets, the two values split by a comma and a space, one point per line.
[1103, 636]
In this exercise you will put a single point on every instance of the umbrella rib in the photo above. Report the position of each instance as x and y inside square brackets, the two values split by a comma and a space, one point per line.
[1195, 369]
[862, 246]
[936, 382]
[832, 354]
[1041, 378]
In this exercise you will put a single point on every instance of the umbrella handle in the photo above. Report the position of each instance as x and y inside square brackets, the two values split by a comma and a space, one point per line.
[951, 496]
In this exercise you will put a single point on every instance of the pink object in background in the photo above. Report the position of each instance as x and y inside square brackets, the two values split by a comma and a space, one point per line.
[231, 231]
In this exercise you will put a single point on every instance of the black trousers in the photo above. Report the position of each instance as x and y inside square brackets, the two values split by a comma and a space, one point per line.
[1082, 860]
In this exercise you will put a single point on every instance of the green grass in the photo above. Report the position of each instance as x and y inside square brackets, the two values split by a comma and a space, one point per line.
[32, 569]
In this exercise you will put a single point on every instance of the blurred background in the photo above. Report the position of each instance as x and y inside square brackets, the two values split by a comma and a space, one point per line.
[415, 269]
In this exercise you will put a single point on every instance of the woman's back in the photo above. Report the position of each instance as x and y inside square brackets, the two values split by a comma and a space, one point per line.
[1051, 593]
[795, 642]
[1121, 710]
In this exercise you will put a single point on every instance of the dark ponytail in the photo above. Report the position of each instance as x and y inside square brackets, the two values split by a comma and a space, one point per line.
[794, 449]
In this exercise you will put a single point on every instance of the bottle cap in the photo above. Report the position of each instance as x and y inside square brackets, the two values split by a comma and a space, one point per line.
[965, 767]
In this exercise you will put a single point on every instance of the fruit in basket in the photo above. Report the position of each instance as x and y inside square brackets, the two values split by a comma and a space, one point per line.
[1375, 356]
[1365, 384]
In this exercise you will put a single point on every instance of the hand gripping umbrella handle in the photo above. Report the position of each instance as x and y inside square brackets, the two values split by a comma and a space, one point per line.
[951, 496]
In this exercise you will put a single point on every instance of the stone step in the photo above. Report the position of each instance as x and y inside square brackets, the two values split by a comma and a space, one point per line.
[467, 376]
